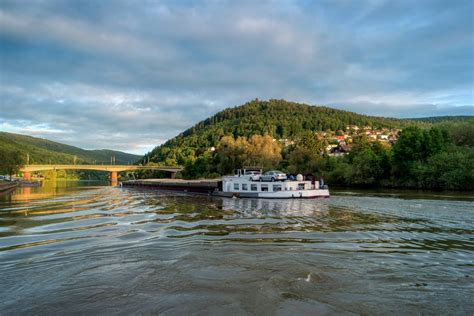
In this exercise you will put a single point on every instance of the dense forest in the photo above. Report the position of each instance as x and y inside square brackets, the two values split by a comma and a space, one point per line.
[430, 154]
[45, 151]
[440, 158]
[276, 118]
[15, 148]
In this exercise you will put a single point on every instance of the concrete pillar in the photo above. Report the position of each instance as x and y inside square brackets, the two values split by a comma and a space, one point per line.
[113, 176]
[173, 175]
[26, 191]
[27, 175]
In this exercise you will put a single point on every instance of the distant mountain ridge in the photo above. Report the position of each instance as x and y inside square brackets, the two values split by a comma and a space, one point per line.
[444, 118]
[45, 151]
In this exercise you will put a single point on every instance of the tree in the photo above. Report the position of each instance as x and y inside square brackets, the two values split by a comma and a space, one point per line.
[305, 160]
[436, 141]
[10, 162]
[263, 151]
[449, 170]
[461, 133]
[409, 148]
[365, 168]
[231, 153]
[201, 167]
[310, 141]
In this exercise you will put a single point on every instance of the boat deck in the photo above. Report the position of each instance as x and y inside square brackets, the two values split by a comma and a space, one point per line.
[203, 186]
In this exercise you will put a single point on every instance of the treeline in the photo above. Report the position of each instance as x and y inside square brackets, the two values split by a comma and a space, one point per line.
[439, 158]
[10, 147]
[17, 150]
[233, 153]
[10, 161]
[43, 151]
[432, 153]
[276, 118]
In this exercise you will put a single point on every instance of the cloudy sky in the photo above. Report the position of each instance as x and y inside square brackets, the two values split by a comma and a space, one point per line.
[128, 75]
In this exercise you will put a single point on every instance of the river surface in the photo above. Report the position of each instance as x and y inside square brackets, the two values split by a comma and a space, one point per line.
[83, 248]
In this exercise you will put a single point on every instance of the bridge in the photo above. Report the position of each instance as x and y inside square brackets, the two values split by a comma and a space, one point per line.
[113, 169]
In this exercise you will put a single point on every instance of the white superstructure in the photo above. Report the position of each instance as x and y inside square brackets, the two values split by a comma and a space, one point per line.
[241, 185]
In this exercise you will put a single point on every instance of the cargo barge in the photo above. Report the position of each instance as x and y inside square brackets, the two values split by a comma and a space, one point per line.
[240, 185]
[194, 186]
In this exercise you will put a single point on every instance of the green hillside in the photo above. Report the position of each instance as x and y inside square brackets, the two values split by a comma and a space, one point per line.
[46, 151]
[431, 153]
[277, 118]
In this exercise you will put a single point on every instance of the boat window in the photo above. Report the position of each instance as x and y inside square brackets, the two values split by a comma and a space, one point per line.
[264, 187]
[300, 186]
[276, 187]
[244, 187]
[253, 187]
[236, 186]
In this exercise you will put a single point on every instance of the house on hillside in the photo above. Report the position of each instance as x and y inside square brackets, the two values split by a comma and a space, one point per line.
[286, 142]
[329, 148]
[340, 150]
[352, 127]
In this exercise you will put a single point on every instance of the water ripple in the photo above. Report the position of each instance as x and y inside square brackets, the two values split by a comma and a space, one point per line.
[290, 252]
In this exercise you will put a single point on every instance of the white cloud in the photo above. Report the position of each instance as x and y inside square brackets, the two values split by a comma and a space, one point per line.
[131, 76]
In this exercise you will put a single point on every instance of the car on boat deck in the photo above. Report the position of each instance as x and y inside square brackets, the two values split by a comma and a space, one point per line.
[253, 175]
[273, 175]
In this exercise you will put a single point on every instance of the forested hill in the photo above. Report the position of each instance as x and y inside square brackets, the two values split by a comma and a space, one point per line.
[46, 151]
[278, 118]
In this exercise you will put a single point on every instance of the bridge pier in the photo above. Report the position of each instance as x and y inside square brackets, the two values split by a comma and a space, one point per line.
[27, 175]
[173, 175]
[113, 177]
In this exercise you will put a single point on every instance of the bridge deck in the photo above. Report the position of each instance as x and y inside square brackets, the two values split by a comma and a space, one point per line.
[110, 168]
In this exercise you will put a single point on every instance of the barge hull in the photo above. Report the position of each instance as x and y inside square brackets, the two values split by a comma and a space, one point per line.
[214, 187]
[194, 186]
[256, 195]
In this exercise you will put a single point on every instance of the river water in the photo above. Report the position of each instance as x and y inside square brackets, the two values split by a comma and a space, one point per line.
[84, 248]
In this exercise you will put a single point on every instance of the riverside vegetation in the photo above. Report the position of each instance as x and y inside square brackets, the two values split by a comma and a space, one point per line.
[15, 148]
[430, 153]
[43, 151]
[427, 155]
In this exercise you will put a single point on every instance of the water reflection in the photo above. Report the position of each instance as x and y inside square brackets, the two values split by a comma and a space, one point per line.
[95, 248]
[50, 189]
[275, 207]
[49, 211]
